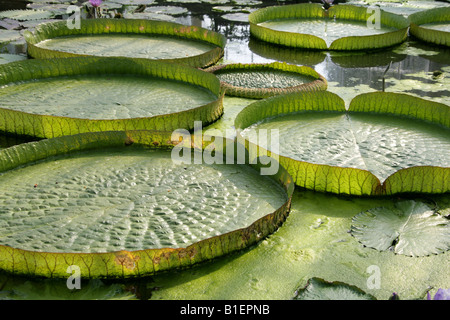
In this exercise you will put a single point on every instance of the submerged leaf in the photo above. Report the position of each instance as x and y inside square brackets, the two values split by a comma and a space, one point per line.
[410, 228]
[319, 289]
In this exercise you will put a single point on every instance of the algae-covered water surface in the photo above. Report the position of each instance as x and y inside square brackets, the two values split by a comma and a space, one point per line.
[331, 245]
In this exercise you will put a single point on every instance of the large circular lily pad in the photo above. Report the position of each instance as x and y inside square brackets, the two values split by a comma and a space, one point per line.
[369, 149]
[135, 38]
[432, 25]
[49, 98]
[116, 204]
[342, 27]
[259, 80]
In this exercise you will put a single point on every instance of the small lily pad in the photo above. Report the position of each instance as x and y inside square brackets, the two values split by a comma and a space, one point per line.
[262, 80]
[410, 228]
[25, 15]
[133, 2]
[236, 17]
[170, 10]
[7, 58]
[319, 289]
[9, 35]
[149, 16]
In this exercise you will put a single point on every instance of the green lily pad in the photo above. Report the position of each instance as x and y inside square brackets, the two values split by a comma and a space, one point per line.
[319, 289]
[431, 25]
[126, 93]
[342, 27]
[146, 15]
[184, 1]
[259, 80]
[9, 35]
[25, 15]
[236, 17]
[120, 201]
[9, 24]
[169, 10]
[136, 38]
[7, 58]
[410, 228]
[368, 149]
[55, 9]
[133, 2]
[289, 55]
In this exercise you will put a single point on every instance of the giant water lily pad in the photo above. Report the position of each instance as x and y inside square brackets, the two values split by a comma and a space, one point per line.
[136, 38]
[369, 149]
[116, 204]
[259, 80]
[49, 98]
[342, 27]
[432, 25]
[409, 228]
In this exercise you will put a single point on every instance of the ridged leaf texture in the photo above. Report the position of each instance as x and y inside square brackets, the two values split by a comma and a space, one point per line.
[350, 180]
[316, 11]
[51, 30]
[126, 263]
[46, 126]
[429, 16]
[317, 81]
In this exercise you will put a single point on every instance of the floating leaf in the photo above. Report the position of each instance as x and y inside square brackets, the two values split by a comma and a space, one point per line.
[25, 15]
[432, 25]
[319, 289]
[236, 17]
[138, 38]
[7, 58]
[288, 25]
[410, 228]
[116, 204]
[170, 10]
[133, 2]
[327, 148]
[128, 94]
[259, 80]
[9, 35]
[144, 15]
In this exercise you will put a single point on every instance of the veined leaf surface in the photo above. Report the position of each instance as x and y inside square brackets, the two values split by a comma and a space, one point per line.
[134, 38]
[431, 25]
[410, 228]
[343, 27]
[49, 98]
[260, 80]
[369, 149]
[117, 205]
